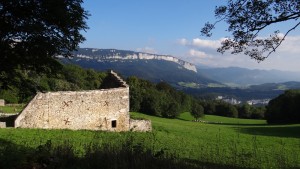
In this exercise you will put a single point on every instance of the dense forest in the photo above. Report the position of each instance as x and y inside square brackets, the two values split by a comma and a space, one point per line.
[285, 108]
[24, 85]
[159, 99]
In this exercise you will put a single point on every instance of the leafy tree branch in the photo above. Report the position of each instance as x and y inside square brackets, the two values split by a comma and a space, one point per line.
[247, 18]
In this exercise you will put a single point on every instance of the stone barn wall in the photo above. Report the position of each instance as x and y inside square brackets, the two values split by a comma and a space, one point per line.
[105, 109]
[140, 125]
[2, 102]
[2, 125]
[92, 110]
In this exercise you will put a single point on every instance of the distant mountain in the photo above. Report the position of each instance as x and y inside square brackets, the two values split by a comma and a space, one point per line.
[152, 67]
[261, 84]
[276, 86]
[243, 76]
[262, 91]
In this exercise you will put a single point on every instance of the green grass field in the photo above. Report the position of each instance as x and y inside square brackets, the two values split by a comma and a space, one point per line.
[223, 120]
[240, 143]
[11, 109]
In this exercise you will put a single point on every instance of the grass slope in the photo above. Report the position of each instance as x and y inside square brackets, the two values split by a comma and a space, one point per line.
[234, 143]
[11, 109]
[223, 120]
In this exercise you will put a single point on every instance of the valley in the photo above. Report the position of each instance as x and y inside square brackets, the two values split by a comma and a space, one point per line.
[177, 140]
[237, 83]
[149, 84]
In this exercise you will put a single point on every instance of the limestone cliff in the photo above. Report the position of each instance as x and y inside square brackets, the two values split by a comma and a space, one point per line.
[112, 55]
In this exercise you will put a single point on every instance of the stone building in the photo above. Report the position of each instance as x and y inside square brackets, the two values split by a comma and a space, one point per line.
[105, 109]
[2, 102]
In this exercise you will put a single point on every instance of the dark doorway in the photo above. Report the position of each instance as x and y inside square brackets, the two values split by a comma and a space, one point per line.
[114, 123]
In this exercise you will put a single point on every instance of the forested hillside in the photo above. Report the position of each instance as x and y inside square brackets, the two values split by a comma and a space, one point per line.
[24, 85]
[160, 99]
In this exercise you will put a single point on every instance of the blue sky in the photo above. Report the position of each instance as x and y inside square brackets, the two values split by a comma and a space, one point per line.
[173, 27]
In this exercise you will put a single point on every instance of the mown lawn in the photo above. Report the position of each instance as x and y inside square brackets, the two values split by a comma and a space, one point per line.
[232, 143]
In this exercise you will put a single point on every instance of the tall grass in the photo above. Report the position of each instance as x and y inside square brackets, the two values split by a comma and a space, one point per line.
[174, 143]
[128, 153]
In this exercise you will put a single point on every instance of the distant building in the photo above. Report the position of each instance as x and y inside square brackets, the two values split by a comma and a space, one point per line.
[219, 98]
[228, 100]
[232, 101]
[259, 102]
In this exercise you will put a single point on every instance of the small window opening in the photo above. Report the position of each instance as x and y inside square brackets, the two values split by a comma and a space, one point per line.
[114, 123]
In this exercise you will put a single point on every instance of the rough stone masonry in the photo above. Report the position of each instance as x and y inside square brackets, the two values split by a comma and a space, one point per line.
[2, 102]
[104, 109]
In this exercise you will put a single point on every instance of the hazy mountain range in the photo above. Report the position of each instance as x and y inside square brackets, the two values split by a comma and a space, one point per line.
[156, 67]
[151, 67]
[233, 81]
[243, 76]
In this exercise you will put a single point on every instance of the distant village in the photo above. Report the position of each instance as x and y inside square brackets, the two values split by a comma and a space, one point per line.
[254, 102]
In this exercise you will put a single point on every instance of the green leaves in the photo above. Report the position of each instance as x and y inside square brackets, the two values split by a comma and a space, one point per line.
[285, 108]
[25, 84]
[197, 111]
[247, 18]
[33, 32]
[159, 100]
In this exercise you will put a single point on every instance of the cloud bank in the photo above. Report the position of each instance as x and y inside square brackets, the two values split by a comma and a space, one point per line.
[203, 51]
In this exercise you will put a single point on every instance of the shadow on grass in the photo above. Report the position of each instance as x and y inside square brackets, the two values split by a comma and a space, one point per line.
[179, 118]
[292, 131]
[277, 131]
[63, 157]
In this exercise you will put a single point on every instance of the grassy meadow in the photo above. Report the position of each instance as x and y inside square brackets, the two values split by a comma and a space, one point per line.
[12, 109]
[219, 142]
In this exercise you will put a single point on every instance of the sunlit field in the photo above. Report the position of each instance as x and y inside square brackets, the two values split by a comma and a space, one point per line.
[218, 142]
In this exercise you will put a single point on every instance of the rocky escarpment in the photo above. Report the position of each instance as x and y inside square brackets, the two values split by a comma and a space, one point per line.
[111, 55]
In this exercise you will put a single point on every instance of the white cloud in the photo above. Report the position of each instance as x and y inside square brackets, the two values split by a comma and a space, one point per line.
[196, 53]
[286, 57]
[200, 43]
[147, 50]
[290, 45]
[197, 42]
[183, 41]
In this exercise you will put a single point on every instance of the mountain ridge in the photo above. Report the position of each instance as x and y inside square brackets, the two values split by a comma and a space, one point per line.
[110, 54]
[153, 67]
[158, 68]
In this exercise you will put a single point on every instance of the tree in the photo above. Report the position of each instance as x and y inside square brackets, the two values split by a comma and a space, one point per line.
[284, 108]
[225, 109]
[152, 102]
[244, 111]
[138, 91]
[258, 112]
[247, 18]
[209, 107]
[34, 32]
[171, 110]
[197, 111]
